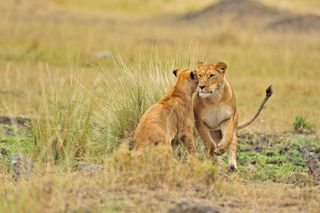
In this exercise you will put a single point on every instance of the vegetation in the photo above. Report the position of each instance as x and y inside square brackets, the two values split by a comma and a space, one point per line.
[301, 125]
[85, 72]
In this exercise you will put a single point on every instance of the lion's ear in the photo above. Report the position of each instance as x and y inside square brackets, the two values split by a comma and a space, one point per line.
[175, 72]
[192, 75]
[221, 67]
[199, 64]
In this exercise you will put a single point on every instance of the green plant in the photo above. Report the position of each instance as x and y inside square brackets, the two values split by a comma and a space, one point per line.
[301, 125]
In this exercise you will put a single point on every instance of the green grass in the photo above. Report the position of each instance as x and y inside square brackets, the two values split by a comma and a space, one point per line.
[15, 139]
[277, 158]
[301, 125]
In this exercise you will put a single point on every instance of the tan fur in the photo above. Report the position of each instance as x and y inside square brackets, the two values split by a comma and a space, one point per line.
[215, 111]
[171, 116]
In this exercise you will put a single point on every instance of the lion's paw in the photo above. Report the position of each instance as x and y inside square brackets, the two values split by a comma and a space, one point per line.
[232, 168]
[219, 151]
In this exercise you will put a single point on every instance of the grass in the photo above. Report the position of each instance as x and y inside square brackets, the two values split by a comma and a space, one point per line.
[121, 172]
[301, 125]
[15, 139]
[277, 158]
[286, 74]
[85, 108]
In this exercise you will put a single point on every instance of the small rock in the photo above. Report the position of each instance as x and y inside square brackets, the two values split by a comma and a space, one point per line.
[103, 54]
[250, 166]
[22, 168]
[14, 120]
[313, 164]
[89, 168]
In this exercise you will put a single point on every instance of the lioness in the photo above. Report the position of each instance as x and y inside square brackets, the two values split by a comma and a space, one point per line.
[215, 111]
[171, 116]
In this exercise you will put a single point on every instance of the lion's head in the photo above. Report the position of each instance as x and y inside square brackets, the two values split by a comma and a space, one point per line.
[210, 77]
[187, 79]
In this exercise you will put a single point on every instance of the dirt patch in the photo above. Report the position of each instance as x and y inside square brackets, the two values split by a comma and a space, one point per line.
[14, 120]
[298, 23]
[259, 198]
[185, 207]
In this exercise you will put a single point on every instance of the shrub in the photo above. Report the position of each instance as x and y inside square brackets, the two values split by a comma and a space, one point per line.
[301, 125]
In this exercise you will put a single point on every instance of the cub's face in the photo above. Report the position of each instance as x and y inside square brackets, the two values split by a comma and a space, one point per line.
[210, 77]
[187, 79]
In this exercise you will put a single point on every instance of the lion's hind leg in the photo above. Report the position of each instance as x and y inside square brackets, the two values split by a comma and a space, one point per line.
[232, 165]
[146, 140]
[188, 141]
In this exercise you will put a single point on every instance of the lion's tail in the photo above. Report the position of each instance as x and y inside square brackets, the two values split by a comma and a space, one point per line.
[268, 95]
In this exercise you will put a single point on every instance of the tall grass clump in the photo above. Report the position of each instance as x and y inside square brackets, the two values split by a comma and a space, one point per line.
[62, 129]
[69, 126]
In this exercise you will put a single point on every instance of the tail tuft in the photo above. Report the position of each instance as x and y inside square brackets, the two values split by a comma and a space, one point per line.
[269, 91]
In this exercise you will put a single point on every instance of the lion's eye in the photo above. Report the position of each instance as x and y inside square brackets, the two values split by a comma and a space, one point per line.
[212, 75]
[200, 76]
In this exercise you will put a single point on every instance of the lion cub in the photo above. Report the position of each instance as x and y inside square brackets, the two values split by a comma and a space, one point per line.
[171, 116]
[215, 111]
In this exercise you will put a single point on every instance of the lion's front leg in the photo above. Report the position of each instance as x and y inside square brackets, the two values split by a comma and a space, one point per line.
[227, 129]
[209, 143]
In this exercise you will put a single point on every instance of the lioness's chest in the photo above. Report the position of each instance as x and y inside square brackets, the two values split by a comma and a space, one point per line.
[212, 117]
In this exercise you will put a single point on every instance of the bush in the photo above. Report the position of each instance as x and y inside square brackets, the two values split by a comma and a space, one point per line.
[302, 126]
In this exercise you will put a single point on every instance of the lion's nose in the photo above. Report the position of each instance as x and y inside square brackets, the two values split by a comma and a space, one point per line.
[201, 86]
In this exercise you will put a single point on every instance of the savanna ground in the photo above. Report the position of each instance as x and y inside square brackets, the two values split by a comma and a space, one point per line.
[85, 71]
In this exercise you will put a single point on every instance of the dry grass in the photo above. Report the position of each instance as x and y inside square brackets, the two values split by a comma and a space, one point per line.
[84, 105]
[32, 48]
[58, 191]
[53, 188]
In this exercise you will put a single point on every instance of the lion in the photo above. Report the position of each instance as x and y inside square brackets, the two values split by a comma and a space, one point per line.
[170, 117]
[215, 111]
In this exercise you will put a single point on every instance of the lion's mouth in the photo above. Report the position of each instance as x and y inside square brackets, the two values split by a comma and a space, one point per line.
[205, 94]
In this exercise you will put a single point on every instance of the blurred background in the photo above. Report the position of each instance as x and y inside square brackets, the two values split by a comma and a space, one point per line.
[263, 41]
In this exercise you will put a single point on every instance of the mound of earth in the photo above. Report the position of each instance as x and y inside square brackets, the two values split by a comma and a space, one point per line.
[299, 23]
[237, 9]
